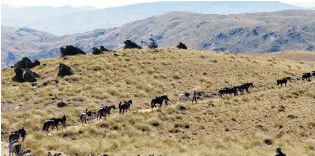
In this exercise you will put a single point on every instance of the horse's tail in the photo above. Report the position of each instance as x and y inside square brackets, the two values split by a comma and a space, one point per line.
[44, 127]
[81, 117]
[152, 104]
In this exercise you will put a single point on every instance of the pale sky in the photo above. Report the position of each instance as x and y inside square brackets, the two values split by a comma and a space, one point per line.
[112, 3]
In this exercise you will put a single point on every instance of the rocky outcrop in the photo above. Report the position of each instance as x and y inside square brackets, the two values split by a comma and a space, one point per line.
[96, 51]
[24, 75]
[25, 62]
[64, 70]
[71, 50]
[181, 46]
[131, 45]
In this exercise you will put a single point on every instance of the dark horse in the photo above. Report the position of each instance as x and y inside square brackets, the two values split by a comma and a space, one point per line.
[283, 81]
[306, 76]
[245, 86]
[105, 111]
[53, 122]
[226, 90]
[16, 135]
[124, 106]
[159, 100]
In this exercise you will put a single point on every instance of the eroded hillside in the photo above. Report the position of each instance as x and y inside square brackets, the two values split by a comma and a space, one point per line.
[215, 126]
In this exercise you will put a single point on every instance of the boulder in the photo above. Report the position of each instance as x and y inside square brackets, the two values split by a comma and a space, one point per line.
[27, 63]
[96, 51]
[29, 76]
[61, 104]
[131, 45]
[18, 75]
[24, 75]
[64, 70]
[181, 46]
[71, 50]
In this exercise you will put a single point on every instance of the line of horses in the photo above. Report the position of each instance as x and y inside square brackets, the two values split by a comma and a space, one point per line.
[236, 89]
[285, 80]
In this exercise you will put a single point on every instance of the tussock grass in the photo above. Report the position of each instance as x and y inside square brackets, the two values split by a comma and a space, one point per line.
[218, 126]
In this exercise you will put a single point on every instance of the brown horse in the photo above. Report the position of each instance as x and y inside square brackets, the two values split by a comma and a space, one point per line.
[105, 111]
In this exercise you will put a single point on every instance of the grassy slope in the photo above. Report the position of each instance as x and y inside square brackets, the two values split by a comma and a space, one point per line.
[228, 126]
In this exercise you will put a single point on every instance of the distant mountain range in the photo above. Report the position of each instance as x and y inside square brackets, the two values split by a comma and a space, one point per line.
[69, 20]
[254, 32]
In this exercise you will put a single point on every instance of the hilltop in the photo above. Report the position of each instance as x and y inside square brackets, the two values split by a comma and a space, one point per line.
[215, 126]
[237, 33]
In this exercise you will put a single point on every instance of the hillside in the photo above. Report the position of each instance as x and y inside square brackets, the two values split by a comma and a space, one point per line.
[215, 126]
[258, 32]
[64, 20]
[294, 55]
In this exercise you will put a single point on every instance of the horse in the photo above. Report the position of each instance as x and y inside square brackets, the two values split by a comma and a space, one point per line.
[105, 111]
[246, 87]
[16, 135]
[53, 122]
[282, 81]
[306, 76]
[313, 73]
[84, 116]
[223, 91]
[125, 106]
[159, 100]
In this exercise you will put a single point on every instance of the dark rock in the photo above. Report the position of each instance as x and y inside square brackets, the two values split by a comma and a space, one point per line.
[181, 46]
[96, 51]
[27, 63]
[131, 45]
[64, 70]
[18, 75]
[24, 75]
[61, 104]
[29, 76]
[70, 50]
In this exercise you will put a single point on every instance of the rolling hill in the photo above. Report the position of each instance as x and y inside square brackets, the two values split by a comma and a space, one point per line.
[251, 124]
[65, 20]
[254, 33]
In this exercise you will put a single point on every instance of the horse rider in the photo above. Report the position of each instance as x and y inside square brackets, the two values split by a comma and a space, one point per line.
[102, 106]
[194, 97]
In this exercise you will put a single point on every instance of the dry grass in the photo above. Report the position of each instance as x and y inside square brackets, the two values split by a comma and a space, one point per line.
[228, 126]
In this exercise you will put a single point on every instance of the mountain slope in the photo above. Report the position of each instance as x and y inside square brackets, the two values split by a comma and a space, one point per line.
[215, 126]
[65, 20]
[257, 32]
[19, 42]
